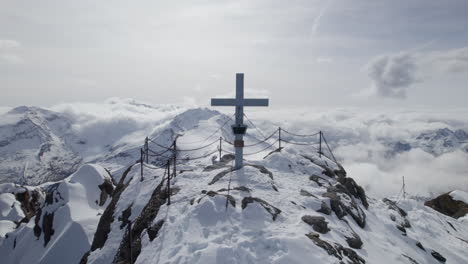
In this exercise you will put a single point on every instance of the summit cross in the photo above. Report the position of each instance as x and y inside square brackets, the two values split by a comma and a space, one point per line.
[239, 102]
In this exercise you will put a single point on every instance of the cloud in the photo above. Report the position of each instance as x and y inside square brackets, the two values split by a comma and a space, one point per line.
[393, 74]
[362, 138]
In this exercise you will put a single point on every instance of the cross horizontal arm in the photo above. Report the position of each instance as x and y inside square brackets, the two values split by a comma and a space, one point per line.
[234, 102]
[255, 102]
[223, 102]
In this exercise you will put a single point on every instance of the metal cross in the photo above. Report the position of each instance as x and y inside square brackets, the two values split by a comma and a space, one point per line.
[239, 102]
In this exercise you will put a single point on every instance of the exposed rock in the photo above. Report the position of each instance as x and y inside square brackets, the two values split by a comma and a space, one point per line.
[318, 223]
[125, 215]
[154, 230]
[343, 203]
[106, 190]
[306, 193]
[48, 227]
[401, 221]
[413, 261]
[143, 222]
[438, 256]
[448, 206]
[324, 209]
[336, 250]
[354, 189]
[262, 169]
[419, 245]
[218, 176]
[229, 198]
[223, 163]
[268, 207]
[354, 241]
[104, 225]
[392, 205]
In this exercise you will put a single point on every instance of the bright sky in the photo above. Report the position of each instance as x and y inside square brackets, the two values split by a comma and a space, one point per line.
[395, 53]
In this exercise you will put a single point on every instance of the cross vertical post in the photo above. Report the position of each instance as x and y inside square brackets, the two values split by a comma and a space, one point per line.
[239, 128]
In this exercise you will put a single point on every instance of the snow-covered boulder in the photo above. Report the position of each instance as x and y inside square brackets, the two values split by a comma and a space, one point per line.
[53, 222]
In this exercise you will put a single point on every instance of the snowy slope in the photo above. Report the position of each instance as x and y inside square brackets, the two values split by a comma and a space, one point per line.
[64, 219]
[261, 219]
[289, 207]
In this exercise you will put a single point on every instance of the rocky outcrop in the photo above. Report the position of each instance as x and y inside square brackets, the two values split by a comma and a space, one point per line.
[268, 207]
[343, 203]
[446, 205]
[104, 225]
[336, 250]
[400, 217]
[228, 197]
[438, 256]
[318, 223]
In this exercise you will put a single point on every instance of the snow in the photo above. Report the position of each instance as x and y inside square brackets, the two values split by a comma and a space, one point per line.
[199, 228]
[76, 214]
[459, 196]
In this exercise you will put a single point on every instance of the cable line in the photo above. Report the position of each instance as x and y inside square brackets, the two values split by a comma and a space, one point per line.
[200, 157]
[270, 136]
[298, 135]
[254, 126]
[269, 146]
[300, 143]
[216, 131]
[216, 141]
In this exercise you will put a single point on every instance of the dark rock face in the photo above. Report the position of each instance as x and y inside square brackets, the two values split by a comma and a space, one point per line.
[143, 222]
[419, 245]
[354, 241]
[318, 223]
[337, 250]
[104, 225]
[154, 230]
[401, 221]
[220, 175]
[446, 205]
[106, 190]
[268, 207]
[343, 203]
[306, 193]
[47, 227]
[355, 190]
[229, 198]
[438, 256]
[324, 209]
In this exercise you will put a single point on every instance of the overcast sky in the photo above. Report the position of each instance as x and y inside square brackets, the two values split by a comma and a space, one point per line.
[399, 53]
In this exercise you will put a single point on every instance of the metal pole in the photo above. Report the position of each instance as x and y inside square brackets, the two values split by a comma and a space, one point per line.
[175, 156]
[220, 147]
[168, 182]
[404, 191]
[146, 149]
[320, 144]
[279, 136]
[141, 164]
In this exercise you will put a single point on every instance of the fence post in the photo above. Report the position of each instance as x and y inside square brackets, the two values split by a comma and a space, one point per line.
[130, 240]
[146, 149]
[320, 143]
[220, 147]
[279, 137]
[168, 182]
[175, 156]
[141, 164]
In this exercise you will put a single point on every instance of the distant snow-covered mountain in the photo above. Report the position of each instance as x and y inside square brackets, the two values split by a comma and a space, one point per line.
[288, 206]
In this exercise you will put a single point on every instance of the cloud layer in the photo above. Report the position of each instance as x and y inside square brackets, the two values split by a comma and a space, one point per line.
[393, 74]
